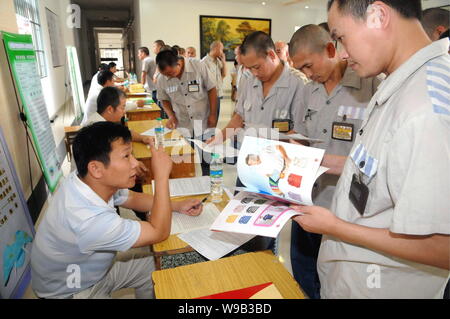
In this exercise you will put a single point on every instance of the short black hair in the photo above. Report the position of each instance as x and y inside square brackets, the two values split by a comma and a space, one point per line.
[434, 17]
[103, 67]
[167, 58]
[259, 41]
[104, 76]
[109, 96]
[112, 64]
[145, 50]
[93, 143]
[160, 43]
[325, 26]
[410, 9]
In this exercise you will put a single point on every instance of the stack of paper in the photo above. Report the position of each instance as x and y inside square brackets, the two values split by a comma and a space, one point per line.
[188, 186]
[195, 232]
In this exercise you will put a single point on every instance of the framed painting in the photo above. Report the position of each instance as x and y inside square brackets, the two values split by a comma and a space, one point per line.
[231, 31]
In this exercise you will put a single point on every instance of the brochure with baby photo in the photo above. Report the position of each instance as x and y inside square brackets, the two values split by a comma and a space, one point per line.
[281, 171]
[275, 174]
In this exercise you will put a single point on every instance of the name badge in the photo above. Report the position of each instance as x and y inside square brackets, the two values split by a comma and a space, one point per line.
[193, 88]
[342, 131]
[283, 126]
[359, 193]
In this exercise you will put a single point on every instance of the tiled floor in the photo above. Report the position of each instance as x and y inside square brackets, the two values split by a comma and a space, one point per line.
[230, 173]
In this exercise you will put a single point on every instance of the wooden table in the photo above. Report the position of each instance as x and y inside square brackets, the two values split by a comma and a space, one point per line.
[183, 157]
[174, 245]
[148, 112]
[237, 272]
[70, 132]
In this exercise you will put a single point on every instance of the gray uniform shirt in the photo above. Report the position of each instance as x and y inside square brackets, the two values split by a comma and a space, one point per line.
[283, 101]
[402, 155]
[214, 67]
[346, 104]
[149, 66]
[190, 107]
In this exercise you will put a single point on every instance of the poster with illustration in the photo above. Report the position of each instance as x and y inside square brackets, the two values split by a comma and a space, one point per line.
[282, 171]
[248, 213]
[16, 230]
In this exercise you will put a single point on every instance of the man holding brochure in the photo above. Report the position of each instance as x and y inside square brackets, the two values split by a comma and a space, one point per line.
[387, 232]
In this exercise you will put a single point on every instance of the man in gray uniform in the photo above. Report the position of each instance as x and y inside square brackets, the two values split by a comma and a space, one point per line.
[387, 232]
[335, 105]
[188, 93]
[271, 98]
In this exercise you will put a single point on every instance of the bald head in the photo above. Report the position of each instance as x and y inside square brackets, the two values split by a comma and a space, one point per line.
[311, 38]
[216, 49]
[281, 49]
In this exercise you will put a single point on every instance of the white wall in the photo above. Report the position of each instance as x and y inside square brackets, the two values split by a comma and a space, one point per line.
[55, 92]
[178, 21]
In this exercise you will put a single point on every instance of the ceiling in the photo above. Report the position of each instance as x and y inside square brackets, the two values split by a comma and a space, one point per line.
[104, 4]
[310, 3]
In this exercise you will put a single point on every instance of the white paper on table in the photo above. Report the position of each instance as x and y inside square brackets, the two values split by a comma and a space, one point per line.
[224, 150]
[151, 132]
[173, 143]
[214, 245]
[188, 186]
[183, 223]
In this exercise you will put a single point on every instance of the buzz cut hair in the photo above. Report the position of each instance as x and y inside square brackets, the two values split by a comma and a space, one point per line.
[258, 41]
[310, 37]
[434, 17]
[214, 45]
[409, 9]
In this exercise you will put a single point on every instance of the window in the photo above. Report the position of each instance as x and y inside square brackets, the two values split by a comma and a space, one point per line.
[27, 14]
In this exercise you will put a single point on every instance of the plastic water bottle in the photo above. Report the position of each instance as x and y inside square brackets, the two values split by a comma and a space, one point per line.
[159, 132]
[216, 174]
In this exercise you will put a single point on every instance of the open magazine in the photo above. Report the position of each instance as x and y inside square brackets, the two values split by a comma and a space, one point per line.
[275, 174]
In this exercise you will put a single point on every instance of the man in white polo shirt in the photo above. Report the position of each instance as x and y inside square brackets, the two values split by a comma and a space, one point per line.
[73, 253]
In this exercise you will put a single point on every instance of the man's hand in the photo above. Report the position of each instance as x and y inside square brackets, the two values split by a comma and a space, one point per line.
[316, 219]
[216, 140]
[141, 170]
[190, 207]
[212, 121]
[172, 123]
[161, 163]
[148, 140]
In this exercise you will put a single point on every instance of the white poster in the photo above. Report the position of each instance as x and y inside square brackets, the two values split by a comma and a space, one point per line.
[16, 230]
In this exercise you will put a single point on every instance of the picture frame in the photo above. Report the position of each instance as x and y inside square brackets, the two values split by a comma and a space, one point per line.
[231, 31]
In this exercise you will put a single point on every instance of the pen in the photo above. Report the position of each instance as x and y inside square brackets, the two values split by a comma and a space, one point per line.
[203, 201]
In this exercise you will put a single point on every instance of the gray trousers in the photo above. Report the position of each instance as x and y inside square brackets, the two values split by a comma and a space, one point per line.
[133, 272]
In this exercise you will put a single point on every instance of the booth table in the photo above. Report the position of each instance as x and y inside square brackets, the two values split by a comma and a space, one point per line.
[182, 154]
[174, 245]
[226, 274]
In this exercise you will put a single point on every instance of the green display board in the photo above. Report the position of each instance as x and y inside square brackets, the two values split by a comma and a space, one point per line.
[76, 82]
[23, 63]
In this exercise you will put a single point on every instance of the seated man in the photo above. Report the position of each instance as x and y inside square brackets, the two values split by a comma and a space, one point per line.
[111, 107]
[73, 253]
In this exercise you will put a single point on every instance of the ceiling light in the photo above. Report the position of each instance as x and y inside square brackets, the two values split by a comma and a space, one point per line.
[263, 3]
[306, 7]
